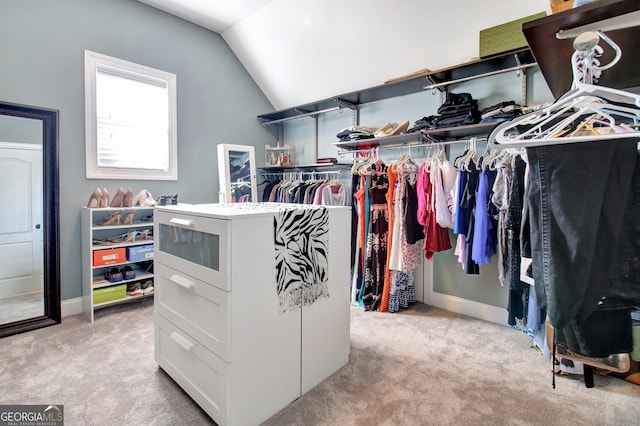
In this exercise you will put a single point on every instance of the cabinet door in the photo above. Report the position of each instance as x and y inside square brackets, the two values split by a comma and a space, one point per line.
[196, 245]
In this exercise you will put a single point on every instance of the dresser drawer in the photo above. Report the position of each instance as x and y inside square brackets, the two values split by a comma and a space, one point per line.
[196, 244]
[198, 308]
[203, 375]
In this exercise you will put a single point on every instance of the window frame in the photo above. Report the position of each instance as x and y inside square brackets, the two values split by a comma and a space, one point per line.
[92, 62]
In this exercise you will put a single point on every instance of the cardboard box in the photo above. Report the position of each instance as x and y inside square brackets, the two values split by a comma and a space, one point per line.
[505, 37]
[109, 294]
[109, 257]
[138, 253]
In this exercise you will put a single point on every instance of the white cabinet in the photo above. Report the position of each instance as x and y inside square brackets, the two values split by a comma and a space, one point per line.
[220, 332]
[116, 241]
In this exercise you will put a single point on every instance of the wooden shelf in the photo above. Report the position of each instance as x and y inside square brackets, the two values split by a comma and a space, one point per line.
[554, 55]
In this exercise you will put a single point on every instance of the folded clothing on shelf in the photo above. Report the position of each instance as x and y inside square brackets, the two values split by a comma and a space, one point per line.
[355, 133]
[460, 109]
[501, 111]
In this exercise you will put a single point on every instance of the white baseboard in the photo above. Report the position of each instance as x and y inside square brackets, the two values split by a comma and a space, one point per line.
[468, 307]
[71, 307]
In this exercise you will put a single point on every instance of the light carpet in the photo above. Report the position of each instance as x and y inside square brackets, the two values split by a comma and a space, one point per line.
[423, 366]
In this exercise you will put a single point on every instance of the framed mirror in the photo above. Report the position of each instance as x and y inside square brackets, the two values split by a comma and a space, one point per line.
[29, 219]
[237, 174]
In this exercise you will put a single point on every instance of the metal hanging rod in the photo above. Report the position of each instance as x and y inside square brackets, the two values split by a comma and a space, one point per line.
[427, 145]
[306, 114]
[301, 174]
[487, 74]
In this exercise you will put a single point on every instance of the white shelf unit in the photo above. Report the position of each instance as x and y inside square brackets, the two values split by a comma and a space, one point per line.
[93, 277]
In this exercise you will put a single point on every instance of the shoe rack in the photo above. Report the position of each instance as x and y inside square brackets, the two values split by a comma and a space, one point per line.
[117, 256]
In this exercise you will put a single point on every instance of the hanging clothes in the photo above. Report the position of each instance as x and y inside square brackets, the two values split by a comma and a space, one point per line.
[378, 228]
[436, 238]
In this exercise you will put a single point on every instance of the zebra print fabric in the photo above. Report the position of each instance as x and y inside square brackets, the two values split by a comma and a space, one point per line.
[301, 238]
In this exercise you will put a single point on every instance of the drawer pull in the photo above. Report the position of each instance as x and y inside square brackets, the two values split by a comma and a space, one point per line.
[181, 281]
[181, 340]
[181, 222]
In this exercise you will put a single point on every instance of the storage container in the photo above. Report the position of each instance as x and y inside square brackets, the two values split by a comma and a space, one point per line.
[138, 253]
[109, 256]
[505, 37]
[109, 294]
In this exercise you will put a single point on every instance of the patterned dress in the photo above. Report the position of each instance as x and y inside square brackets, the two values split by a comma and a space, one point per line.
[376, 253]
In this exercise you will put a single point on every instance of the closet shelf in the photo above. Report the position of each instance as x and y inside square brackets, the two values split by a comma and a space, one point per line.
[448, 133]
[553, 54]
[408, 86]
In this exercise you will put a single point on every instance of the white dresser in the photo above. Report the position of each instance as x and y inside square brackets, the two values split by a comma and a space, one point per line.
[220, 329]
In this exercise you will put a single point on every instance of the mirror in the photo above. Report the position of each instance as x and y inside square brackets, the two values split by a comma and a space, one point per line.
[29, 230]
[237, 173]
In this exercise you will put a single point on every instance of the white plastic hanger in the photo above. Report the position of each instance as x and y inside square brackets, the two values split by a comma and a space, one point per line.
[548, 125]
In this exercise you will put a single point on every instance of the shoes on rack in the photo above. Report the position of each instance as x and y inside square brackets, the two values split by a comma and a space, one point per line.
[127, 199]
[104, 198]
[147, 287]
[117, 198]
[114, 219]
[113, 276]
[134, 290]
[128, 273]
[146, 234]
[94, 199]
[144, 199]
[384, 130]
[128, 218]
[402, 128]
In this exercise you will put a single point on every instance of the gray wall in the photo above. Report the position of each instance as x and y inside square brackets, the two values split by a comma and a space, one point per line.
[42, 44]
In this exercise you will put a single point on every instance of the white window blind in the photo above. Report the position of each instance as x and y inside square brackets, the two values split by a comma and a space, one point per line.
[130, 120]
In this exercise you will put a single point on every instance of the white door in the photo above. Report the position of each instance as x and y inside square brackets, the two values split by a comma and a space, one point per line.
[21, 220]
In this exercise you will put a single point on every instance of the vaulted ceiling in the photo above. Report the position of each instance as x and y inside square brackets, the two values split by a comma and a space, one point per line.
[300, 51]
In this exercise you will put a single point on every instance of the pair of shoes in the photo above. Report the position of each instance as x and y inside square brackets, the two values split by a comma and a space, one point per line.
[392, 129]
[144, 199]
[128, 273]
[114, 219]
[113, 276]
[134, 290]
[147, 287]
[122, 198]
[99, 198]
[128, 218]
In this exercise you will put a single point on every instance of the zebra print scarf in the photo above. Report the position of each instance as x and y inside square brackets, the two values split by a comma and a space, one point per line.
[301, 238]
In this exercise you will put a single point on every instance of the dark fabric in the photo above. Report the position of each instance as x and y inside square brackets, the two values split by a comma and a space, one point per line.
[517, 288]
[414, 231]
[577, 195]
[376, 261]
[469, 202]
[603, 332]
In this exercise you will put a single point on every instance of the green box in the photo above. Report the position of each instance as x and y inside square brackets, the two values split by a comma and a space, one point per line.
[505, 37]
[109, 294]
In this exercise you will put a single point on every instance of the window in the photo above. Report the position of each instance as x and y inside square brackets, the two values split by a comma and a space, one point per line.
[130, 120]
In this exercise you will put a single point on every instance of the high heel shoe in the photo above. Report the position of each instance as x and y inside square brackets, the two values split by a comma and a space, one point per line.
[113, 218]
[144, 199]
[117, 198]
[128, 218]
[94, 200]
[127, 199]
[104, 198]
